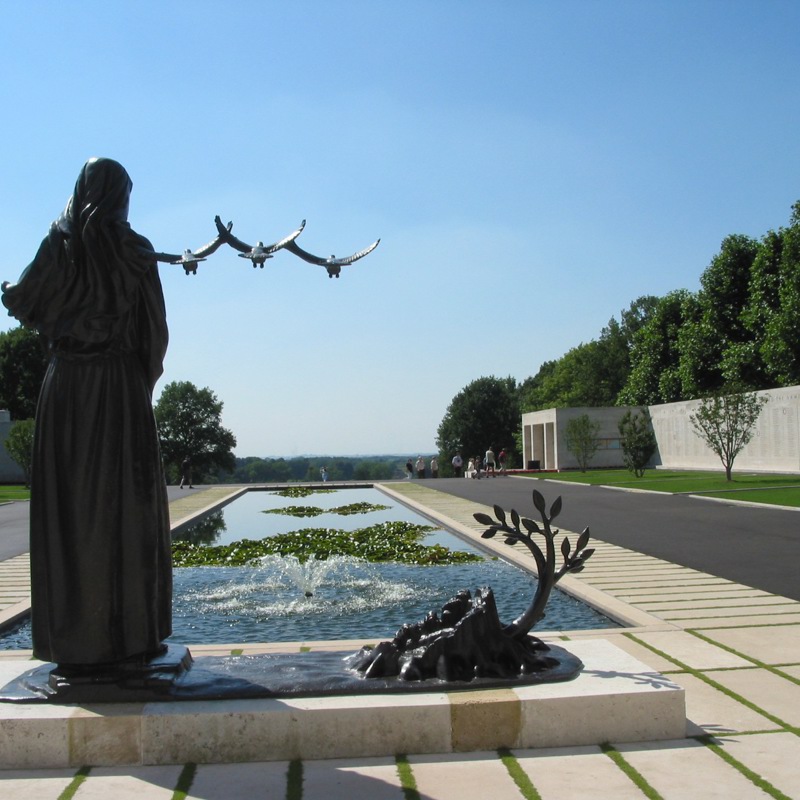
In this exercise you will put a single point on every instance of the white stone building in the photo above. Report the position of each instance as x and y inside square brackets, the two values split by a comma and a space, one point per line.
[775, 446]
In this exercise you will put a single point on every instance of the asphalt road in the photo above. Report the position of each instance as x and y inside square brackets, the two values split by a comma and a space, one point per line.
[13, 529]
[754, 545]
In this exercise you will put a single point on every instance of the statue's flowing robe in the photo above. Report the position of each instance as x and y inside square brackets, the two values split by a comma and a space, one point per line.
[101, 572]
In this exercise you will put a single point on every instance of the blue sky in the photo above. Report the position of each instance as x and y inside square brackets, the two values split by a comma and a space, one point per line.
[530, 167]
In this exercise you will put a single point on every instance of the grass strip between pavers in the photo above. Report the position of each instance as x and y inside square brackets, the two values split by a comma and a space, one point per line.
[718, 686]
[294, 780]
[632, 773]
[755, 661]
[185, 781]
[74, 784]
[518, 775]
[406, 776]
[753, 777]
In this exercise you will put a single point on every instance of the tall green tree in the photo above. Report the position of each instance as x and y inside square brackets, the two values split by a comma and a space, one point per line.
[638, 440]
[581, 438]
[655, 356]
[485, 413]
[190, 426]
[780, 348]
[534, 391]
[23, 362]
[725, 422]
[717, 329]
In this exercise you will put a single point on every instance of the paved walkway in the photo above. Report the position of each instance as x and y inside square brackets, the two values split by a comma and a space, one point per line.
[735, 649]
[743, 542]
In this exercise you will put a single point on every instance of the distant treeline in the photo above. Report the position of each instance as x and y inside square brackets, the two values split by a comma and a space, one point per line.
[303, 468]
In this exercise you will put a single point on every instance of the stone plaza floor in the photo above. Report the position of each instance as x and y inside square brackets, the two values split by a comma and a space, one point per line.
[734, 649]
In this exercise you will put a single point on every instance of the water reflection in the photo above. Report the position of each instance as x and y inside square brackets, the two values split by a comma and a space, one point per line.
[206, 531]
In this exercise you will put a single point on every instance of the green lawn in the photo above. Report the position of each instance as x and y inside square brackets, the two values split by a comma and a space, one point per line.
[14, 493]
[755, 488]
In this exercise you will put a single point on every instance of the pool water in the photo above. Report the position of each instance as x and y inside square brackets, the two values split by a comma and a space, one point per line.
[342, 598]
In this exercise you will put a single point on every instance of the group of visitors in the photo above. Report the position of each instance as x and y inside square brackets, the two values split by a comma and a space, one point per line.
[419, 467]
[478, 466]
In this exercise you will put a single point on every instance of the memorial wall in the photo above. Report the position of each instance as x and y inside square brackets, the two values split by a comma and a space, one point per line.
[775, 446]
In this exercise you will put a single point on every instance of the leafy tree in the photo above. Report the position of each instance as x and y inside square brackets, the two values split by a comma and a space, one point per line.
[581, 437]
[717, 327]
[23, 362]
[636, 316]
[655, 356]
[485, 413]
[780, 348]
[19, 444]
[638, 440]
[725, 423]
[189, 425]
[745, 363]
[534, 392]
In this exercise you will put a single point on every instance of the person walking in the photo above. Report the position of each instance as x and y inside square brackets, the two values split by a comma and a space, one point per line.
[457, 463]
[489, 460]
[420, 467]
[186, 472]
[434, 467]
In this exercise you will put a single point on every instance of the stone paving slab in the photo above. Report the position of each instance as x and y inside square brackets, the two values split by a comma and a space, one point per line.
[682, 604]
[771, 611]
[691, 650]
[773, 646]
[681, 597]
[15, 582]
[765, 689]
[34, 784]
[234, 781]
[121, 783]
[793, 671]
[576, 773]
[732, 592]
[376, 779]
[767, 619]
[470, 776]
[774, 757]
[686, 769]
[716, 712]
[638, 651]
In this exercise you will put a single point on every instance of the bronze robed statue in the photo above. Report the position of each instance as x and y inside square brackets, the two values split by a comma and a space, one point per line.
[101, 572]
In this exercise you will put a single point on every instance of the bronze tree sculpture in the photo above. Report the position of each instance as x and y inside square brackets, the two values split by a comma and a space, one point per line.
[468, 640]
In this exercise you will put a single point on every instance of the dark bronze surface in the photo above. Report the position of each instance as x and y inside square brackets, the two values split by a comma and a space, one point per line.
[101, 573]
[237, 677]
